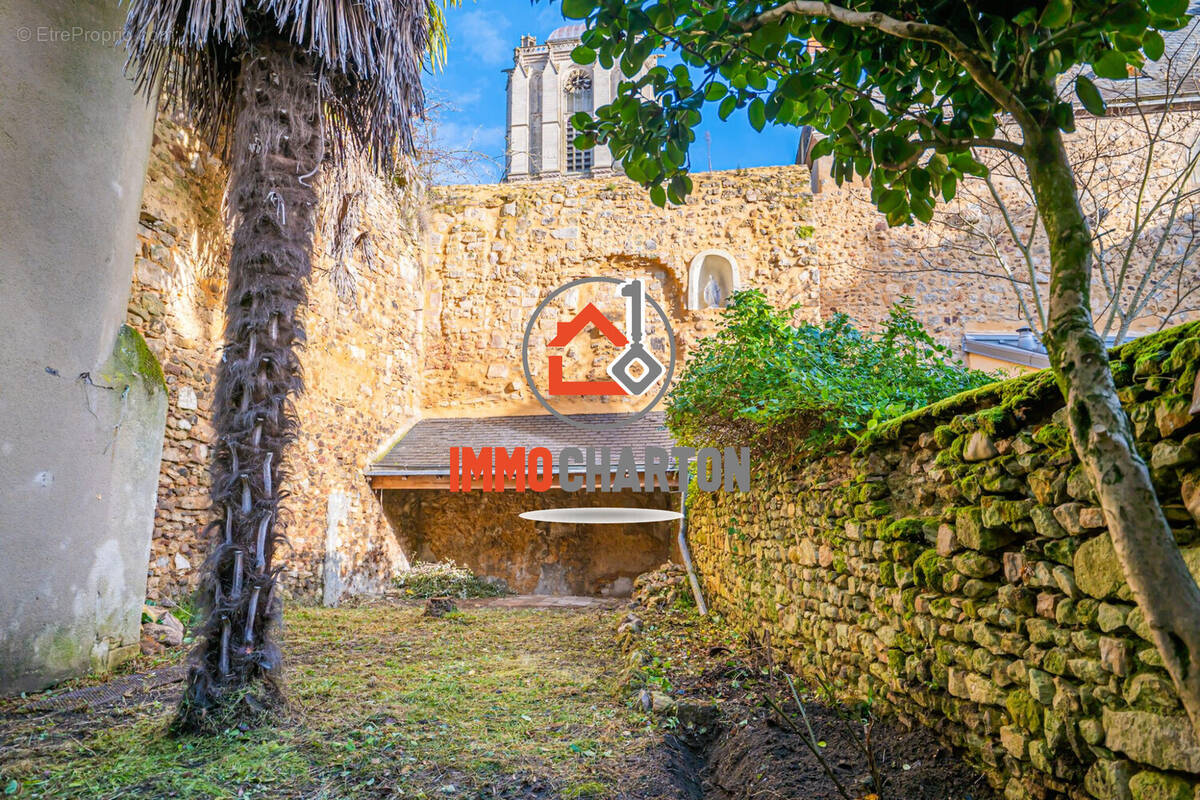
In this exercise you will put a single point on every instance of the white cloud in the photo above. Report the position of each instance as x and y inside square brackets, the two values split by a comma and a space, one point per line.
[484, 35]
[487, 139]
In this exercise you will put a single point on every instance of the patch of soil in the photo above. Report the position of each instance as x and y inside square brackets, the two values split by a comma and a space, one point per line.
[756, 749]
[764, 759]
[669, 771]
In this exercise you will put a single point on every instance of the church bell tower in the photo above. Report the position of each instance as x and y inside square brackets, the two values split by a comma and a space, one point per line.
[545, 89]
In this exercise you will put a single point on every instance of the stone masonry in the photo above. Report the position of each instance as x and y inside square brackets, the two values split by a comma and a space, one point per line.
[360, 364]
[418, 309]
[956, 566]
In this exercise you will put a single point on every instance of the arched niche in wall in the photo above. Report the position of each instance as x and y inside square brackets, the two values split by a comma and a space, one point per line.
[712, 278]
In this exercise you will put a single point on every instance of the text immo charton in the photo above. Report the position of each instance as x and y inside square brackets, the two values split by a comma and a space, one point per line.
[597, 469]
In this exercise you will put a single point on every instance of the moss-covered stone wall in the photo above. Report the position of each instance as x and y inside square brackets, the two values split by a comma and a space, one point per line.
[956, 565]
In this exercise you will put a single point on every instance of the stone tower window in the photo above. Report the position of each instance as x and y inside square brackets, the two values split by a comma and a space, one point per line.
[535, 123]
[577, 91]
[712, 279]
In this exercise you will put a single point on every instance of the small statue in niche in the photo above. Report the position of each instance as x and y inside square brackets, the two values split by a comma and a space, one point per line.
[712, 295]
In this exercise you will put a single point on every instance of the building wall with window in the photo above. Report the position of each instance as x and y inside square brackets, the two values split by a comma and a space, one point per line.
[545, 88]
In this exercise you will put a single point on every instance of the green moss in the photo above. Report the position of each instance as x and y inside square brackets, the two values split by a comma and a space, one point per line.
[1062, 550]
[970, 487]
[1163, 341]
[1185, 353]
[872, 510]
[1148, 364]
[995, 421]
[1021, 397]
[1052, 435]
[943, 435]
[132, 357]
[1122, 372]
[929, 568]
[1014, 395]
[998, 512]
[1026, 712]
[1152, 785]
[908, 529]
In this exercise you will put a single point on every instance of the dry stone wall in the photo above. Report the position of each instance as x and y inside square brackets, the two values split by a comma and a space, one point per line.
[360, 366]
[957, 567]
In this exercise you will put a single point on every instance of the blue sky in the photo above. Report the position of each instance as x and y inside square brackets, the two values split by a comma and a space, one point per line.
[469, 94]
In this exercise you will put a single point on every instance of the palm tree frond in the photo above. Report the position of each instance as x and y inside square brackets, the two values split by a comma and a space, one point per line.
[369, 56]
[439, 34]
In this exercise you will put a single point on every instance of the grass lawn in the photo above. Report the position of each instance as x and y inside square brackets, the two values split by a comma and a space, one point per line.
[491, 702]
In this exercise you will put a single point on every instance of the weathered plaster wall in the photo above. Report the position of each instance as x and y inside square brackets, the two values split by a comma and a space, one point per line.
[81, 406]
[359, 366]
[957, 567]
[483, 531]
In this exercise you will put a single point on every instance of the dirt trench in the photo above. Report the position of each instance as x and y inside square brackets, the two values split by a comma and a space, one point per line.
[762, 759]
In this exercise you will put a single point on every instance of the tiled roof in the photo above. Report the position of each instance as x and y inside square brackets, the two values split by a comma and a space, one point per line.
[1175, 75]
[425, 449]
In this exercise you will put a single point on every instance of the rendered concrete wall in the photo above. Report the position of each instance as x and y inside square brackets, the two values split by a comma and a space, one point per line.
[82, 403]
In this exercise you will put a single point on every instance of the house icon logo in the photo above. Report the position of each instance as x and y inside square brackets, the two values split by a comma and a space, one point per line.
[635, 369]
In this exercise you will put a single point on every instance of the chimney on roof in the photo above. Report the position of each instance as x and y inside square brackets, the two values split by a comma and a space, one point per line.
[528, 41]
[1026, 339]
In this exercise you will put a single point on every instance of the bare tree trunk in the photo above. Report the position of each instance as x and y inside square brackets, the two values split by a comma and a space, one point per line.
[1100, 431]
[276, 148]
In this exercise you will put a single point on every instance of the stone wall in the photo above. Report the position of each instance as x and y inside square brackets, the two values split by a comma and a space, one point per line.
[360, 367]
[957, 566]
[496, 251]
[403, 325]
[954, 268]
[482, 530]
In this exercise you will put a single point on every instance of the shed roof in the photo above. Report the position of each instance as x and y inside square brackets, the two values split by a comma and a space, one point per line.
[425, 448]
[1173, 78]
[1007, 347]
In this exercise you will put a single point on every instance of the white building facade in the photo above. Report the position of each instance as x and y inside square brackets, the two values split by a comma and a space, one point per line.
[545, 88]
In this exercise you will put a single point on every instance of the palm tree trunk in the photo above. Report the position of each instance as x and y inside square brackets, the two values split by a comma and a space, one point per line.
[1100, 431]
[277, 145]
